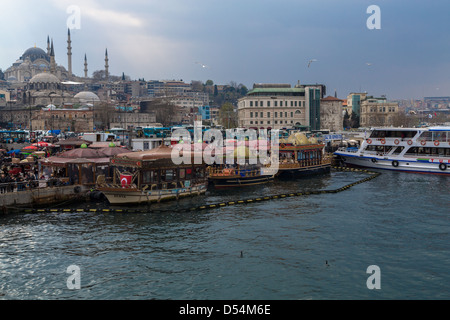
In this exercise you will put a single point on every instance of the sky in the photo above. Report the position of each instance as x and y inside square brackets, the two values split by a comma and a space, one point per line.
[246, 41]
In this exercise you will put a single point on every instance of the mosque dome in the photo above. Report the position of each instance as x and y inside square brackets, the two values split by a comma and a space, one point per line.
[45, 78]
[34, 54]
[87, 96]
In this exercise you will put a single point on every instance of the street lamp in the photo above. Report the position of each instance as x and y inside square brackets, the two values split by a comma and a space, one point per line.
[51, 110]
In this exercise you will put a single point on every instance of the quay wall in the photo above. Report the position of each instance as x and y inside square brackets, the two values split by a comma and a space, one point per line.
[42, 196]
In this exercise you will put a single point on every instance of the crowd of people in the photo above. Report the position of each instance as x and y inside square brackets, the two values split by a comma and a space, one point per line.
[16, 177]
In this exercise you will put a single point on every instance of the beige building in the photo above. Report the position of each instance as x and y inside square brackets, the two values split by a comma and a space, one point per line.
[377, 112]
[331, 114]
[77, 120]
[277, 106]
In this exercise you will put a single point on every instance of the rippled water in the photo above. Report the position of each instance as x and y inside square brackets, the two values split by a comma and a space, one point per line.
[308, 247]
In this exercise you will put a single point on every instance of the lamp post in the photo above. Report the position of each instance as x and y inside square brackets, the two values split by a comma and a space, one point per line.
[51, 110]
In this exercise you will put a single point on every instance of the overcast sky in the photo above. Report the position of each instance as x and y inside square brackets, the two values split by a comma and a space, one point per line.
[246, 41]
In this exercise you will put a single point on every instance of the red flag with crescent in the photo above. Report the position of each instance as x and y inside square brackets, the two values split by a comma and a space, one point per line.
[125, 180]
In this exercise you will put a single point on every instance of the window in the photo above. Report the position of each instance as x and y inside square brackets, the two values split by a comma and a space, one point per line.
[251, 103]
[146, 145]
[292, 103]
[261, 114]
[268, 114]
[297, 112]
[251, 114]
[268, 103]
[292, 114]
[276, 114]
[275, 103]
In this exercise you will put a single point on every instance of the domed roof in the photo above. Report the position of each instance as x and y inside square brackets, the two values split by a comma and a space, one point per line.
[34, 54]
[87, 96]
[45, 77]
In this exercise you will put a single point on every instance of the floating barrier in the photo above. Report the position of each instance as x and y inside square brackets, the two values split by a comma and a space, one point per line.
[373, 175]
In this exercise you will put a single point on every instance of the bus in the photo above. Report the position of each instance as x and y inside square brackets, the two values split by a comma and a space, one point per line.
[156, 132]
[14, 136]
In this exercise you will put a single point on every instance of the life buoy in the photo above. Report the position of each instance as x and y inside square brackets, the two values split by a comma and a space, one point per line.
[383, 141]
[410, 142]
[369, 141]
[374, 160]
[436, 143]
[423, 142]
[282, 146]
[396, 141]
[442, 166]
[395, 163]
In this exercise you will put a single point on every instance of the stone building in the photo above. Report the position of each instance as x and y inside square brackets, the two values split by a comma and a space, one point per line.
[377, 112]
[331, 114]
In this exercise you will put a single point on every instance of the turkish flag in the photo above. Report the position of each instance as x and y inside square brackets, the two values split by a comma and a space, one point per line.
[125, 180]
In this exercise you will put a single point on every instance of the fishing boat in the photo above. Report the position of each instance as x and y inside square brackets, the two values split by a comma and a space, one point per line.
[419, 150]
[239, 173]
[300, 156]
[151, 176]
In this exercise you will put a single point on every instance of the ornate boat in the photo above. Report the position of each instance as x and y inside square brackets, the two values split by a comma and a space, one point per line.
[151, 176]
[300, 156]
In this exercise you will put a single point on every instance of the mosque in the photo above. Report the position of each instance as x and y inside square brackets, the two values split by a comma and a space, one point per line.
[45, 82]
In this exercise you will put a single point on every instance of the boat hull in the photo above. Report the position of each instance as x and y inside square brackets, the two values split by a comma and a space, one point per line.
[403, 165]
[292, 173]
[238, 181]
[123, 196]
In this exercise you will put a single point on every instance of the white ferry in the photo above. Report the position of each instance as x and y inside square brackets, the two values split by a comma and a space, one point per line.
[420, 150]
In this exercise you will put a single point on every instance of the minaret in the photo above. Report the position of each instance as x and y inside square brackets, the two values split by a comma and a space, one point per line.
[52, 60]
[69, 53]
[85, 66]
[106, 65]
[48, 45]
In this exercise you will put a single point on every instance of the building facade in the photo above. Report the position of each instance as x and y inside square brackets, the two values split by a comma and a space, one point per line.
[331, 114]
[278, 106]
[377, 112]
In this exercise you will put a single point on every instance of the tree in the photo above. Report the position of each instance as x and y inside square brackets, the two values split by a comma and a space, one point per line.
[165, 111]
[227, 116]
[354, 120]
[209, 83]
[346, 123]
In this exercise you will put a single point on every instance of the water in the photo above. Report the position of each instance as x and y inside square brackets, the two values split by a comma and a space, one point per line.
[307, 247]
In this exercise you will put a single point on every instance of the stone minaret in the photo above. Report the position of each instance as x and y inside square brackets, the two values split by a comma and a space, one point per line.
[69, 53]
[85, 66]
[48, 45]
[106, 65]
[52, 60]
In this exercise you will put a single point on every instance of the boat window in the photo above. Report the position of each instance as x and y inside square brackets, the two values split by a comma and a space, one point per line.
[393, 134]
[398, 150]
[188, 173]
[428, 151]
[150, 177]
[182, 173]
[169, 175]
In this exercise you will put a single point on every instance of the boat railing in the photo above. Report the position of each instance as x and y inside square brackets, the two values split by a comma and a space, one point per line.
[217, 172]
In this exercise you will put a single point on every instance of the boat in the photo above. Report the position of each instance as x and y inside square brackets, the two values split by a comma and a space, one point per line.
[418, 150]
[241, 173]
[300, 156]
[151, 176]
[238, 176]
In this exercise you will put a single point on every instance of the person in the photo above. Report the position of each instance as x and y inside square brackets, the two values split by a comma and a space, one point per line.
[3, 182]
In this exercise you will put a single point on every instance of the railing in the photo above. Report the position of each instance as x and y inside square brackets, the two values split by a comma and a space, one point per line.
[234, 172]
[19, 186]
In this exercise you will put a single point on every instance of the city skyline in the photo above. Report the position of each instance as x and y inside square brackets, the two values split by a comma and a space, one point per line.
[246, 42]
